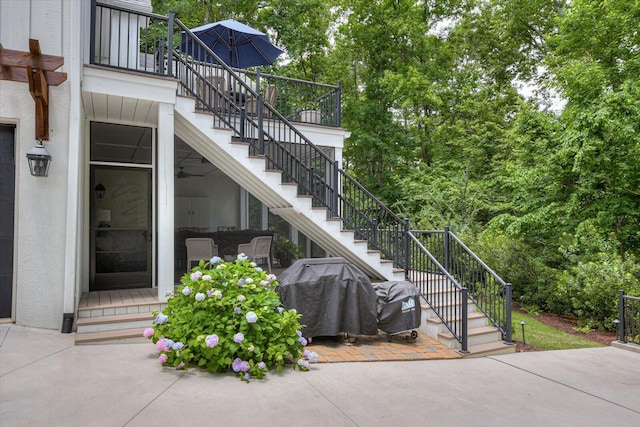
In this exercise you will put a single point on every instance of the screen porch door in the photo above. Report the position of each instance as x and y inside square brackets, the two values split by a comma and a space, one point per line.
[121, 225]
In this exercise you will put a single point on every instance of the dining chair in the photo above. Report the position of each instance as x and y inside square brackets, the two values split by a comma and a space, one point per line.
[212, 94]
[258, 248]
[199, 248]
[270, 97]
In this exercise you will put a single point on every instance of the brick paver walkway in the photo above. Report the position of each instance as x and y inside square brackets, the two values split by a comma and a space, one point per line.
[375, 348]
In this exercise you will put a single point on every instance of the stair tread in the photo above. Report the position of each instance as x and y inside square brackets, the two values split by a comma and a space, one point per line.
[446, 304]
[89, 337]
[118, 318]
[473, 315]
[471, 332]
[122, 305]
[490, 348]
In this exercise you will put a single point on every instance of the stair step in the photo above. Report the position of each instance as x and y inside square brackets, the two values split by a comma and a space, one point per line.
[475, 336]
[117, 322]
[115, 319]
[119, 309]
[489, 349]
[432, 326]
[473, 315]
[133, 335]
[426, 308]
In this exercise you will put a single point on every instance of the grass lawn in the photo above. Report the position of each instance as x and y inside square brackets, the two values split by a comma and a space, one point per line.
[546, 337]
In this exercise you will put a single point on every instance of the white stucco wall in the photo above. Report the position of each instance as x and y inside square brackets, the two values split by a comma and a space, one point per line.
[40, 216]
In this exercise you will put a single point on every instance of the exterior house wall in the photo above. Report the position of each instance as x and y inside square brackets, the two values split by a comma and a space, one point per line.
[40, 216]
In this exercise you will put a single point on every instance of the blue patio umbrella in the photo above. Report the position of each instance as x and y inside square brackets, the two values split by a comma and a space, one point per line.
[238, 45]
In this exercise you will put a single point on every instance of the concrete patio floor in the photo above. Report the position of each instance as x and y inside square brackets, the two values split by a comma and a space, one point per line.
[45, 380]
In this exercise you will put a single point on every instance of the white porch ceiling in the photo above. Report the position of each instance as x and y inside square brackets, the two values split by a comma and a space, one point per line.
[118, 109]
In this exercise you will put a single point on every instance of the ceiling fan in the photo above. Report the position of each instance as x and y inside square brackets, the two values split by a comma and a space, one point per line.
[182, 174]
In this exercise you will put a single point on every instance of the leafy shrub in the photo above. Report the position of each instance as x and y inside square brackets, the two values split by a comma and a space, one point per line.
[512, 260]
[590, 289]
[228, 316]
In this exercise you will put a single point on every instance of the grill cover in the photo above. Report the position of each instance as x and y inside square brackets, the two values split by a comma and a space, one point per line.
[332, 295]
[398, 306]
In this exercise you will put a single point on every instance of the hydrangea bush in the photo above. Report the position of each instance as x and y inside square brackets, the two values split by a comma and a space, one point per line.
[227, 316]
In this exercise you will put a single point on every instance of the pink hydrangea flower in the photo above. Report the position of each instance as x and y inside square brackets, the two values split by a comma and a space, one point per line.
[162, 358]
[148, 332]
[160, 345]
[195, 275]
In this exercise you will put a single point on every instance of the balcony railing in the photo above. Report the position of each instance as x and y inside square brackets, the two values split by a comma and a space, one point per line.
[137, 41]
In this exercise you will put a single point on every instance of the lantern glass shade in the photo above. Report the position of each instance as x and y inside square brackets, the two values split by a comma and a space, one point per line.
[39, 160]
[100, 191]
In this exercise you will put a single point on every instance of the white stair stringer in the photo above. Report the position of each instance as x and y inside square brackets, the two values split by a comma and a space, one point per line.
[232, 158]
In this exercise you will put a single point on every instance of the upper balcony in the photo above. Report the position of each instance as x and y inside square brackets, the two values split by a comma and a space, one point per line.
[148, 43]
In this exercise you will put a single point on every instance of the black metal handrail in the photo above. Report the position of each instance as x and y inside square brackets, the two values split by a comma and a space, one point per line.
[372, 220]
[301, 100]
[629, 321]
[441, 290]
[491, 294]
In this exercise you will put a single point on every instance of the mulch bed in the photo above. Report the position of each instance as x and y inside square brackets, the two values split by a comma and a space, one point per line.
[565, 324]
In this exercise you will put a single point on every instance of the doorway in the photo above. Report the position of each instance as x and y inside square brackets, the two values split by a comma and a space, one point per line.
[121, 228]
[7, 205]
[120, 208]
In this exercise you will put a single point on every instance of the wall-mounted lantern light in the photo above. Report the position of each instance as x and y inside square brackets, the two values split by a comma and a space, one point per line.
[39, 160]
[100, 191]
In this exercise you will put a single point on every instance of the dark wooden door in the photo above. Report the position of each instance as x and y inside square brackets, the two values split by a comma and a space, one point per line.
[7, 204]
